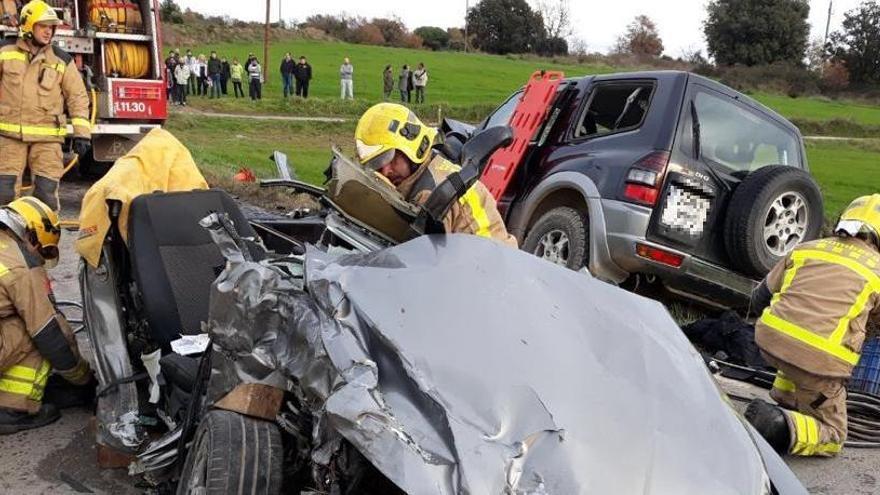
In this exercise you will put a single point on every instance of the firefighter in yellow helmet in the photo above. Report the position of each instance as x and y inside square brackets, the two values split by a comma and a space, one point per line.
[393, 142]
[40, 86]
[34, 337]
[815, 306]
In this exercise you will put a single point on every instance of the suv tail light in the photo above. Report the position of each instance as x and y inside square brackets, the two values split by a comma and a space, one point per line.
[645, 178]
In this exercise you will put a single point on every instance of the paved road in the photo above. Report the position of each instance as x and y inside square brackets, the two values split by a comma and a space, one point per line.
[60, 459]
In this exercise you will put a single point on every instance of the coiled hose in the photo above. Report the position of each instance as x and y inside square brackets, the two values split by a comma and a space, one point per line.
[863, 420]
[116, 16]
[127, 59]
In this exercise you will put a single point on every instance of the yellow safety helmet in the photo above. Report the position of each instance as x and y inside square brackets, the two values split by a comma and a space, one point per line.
[36, 12]
[862, 216]
[387, 127]
[36, 223]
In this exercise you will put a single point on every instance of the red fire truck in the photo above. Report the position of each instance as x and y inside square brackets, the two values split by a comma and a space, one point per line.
[117, 46]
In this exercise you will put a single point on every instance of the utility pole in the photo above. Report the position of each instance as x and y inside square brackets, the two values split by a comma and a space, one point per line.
[828, 22]
[467, 8]
[266, 43]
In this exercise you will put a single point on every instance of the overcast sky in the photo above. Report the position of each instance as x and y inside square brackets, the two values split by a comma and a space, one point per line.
[679, 21]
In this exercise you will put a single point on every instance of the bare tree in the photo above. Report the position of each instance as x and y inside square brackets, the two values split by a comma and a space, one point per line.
[557, 17]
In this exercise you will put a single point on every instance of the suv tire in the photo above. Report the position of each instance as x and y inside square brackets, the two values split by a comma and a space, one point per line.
[773, 209]
[233, 454]
[560, 236]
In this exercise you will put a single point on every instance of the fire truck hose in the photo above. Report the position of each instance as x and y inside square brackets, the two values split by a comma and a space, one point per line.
[119, 16]
[93, 118]
[127, 59]
[863, 418]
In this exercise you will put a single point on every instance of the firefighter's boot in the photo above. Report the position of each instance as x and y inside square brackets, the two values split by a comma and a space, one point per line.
[770, 422]
[14, 421]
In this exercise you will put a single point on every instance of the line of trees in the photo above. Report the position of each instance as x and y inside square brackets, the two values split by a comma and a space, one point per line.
[767, 32]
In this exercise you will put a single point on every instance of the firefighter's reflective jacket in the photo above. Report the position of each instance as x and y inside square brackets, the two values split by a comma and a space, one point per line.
[824, 294]
[474, 213]
[39, 92]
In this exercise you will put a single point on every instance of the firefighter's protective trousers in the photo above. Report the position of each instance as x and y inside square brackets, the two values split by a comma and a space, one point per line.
[38, 91]
[34, 337]
[824, 294]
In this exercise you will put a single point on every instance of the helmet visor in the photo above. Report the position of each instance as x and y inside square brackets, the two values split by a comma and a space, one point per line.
[379, 160]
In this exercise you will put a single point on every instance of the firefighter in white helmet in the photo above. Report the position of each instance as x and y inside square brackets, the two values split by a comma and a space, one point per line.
[34, 337]
[40, 87]
[815, 306]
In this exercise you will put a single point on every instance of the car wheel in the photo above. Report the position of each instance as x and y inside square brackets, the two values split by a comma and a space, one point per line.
[560, 236]
[774, 209]
[233, 454]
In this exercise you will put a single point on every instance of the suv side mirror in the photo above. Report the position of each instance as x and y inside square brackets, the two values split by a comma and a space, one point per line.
[475, 155]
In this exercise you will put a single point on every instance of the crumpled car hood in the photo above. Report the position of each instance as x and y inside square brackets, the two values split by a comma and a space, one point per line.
[457, 365]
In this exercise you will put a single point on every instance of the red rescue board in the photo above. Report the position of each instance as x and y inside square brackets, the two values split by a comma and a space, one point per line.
[530, 113]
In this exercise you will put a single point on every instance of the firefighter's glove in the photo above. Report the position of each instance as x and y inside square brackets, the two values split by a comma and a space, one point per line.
[81, 146]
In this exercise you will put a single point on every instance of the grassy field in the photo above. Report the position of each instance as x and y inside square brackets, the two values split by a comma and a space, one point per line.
[844, 169]
[468, 85]
[454, 78]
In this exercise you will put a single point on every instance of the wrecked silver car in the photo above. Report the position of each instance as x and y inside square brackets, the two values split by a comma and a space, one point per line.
[452, 364]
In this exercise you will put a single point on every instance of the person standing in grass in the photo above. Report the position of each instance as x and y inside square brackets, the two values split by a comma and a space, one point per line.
[236, 73]
[224, 75]
[215, 73]
[403, 83]
[202, 75]
[303, 74]
[287, 69]
[247, 69]
[181, 82]
[387, 82]
[420, 80]
[192, 64]
[255, 74]
[346, 73]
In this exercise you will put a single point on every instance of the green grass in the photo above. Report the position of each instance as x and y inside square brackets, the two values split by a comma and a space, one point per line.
[844, 170]
[454, 78]
[821, 109]
[469, 85]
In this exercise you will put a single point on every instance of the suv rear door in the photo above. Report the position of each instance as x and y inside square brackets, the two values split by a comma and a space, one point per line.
[731, 140]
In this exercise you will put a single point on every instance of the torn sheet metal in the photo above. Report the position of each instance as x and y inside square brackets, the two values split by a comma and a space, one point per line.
[457, 365]
[117, 409]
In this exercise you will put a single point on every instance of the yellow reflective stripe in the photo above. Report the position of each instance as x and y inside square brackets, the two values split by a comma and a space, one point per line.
[21, 373]
[472, 199]
[783, 384]
[79, 121]
[3, 269]
[807, 437]
[40, 381]
[16, 387]
[800, 432]
[829, 448]
[13, 55]
[33, 130]
[872, 278]
[786, 280]
[854, 311]
[809, 338]
[59, 67]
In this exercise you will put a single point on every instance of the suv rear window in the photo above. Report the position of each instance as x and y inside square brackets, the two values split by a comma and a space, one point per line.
[614, 107]
[739, 139]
